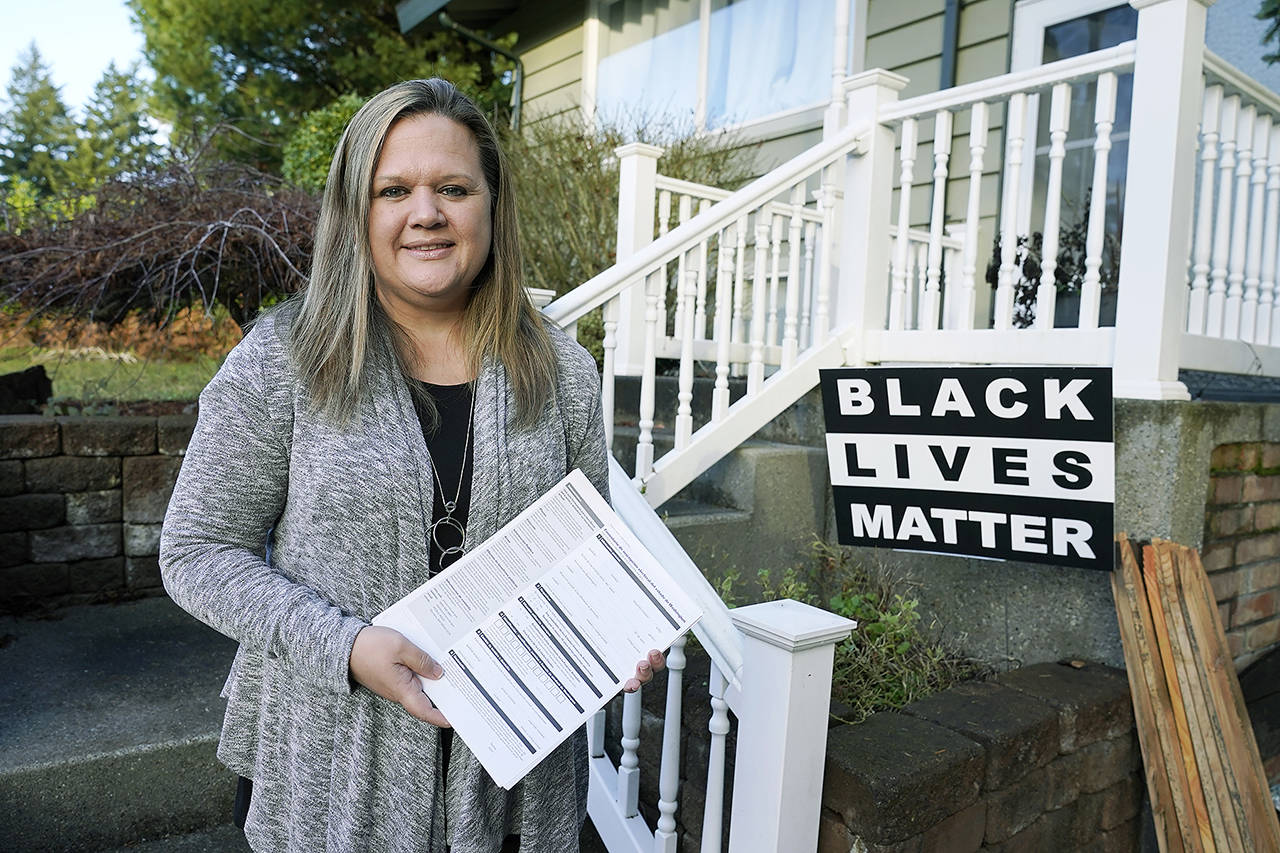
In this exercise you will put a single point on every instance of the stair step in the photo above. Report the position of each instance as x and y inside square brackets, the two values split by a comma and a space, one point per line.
[680, 512]
[109, 719]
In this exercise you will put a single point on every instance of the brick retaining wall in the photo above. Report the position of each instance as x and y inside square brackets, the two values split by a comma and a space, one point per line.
[81, 502]
[1042, 758]
[1242, 544]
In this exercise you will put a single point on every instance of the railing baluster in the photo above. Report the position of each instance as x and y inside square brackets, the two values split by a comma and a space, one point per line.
[1198, 301]
[775, 271]
[713, 813]
[1017, 116]
[929, 305]
[907, 159]
[1239, 224]
[609, 345]
[1269, 295]
[724, 287]
[664, 219]
[739, 288]
[1047, 293]
[1104, 117]
[629, 766]
[684, 412]
[827, 201]
[664, 839]
[682, 269]
[1253, 256]
[700, 308]
[806, 295]
[1222, 223]
[595, 734]
[973, 211]
[655, 287]
[791, 320]
[755, 369]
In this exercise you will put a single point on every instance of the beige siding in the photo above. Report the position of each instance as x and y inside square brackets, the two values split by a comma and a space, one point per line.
[550, 45]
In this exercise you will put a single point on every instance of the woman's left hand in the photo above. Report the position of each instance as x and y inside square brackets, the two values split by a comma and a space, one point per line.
[655, 662]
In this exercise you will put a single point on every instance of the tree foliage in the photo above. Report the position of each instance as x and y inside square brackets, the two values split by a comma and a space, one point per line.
[37, 135]
[1269, 11]
[258, 66]
[117, 124]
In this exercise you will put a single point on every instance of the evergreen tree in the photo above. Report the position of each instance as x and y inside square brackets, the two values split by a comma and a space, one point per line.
[254, 67]
[118, 130]
[37, 135]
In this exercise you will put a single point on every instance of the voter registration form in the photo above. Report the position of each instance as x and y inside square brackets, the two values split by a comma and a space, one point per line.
[540, 626]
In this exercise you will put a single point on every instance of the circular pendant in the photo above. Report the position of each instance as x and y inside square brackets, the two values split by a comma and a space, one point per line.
[449, 523]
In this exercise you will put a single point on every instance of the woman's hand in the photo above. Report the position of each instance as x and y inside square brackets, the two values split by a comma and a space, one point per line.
[384, 661]
[655, 662]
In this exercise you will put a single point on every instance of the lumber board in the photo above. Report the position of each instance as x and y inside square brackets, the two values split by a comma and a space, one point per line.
[1161, 749]
[1221, 792]
[1224, 688]
[1138, 655]
[1200, 813]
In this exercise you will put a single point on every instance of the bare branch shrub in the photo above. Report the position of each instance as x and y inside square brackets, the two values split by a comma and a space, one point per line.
[216, 234]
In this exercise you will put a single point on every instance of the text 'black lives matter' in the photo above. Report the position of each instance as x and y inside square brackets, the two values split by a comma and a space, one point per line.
[1007, 463]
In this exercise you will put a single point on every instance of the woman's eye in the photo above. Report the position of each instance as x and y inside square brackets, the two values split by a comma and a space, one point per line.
[454, 191]
[392, 192]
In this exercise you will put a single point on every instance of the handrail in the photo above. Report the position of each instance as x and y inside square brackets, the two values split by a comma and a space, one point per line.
[604, 286]
[683, 187]
[994, 88]
[715, 630]
[1233, 77]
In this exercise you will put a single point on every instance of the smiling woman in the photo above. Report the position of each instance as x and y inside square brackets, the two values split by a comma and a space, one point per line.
[397, 413]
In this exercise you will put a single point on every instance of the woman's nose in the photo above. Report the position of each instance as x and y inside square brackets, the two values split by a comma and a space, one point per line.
[425, 209]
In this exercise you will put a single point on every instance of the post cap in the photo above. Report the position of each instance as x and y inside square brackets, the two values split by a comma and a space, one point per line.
[791, 625]
[642, 149]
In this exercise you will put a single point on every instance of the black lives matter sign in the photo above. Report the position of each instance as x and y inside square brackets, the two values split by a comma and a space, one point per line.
[1005, 463]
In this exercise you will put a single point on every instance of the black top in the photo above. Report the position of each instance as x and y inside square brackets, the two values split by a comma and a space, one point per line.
[451, 454]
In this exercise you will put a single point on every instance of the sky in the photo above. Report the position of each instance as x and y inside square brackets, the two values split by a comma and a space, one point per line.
[76, 38]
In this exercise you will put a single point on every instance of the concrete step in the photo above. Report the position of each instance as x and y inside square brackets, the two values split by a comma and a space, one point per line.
[109, 717]
[226, 838]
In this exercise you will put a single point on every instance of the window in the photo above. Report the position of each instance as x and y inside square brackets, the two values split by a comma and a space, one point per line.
[1046, 31]
[758, 58]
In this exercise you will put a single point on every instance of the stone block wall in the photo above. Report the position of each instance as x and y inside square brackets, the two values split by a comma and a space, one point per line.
[1242, 544]
[1042, 758]
[81, 503]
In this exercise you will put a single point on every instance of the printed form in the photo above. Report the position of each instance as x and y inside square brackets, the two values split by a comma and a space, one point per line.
[541, 626]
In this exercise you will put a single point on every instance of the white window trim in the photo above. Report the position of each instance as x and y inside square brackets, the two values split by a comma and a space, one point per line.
[1030, 19]
[772, 126]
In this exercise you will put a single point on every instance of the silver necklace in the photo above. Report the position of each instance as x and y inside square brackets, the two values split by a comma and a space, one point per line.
[451, 506]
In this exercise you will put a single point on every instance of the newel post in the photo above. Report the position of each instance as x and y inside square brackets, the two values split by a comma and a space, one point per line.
[637, 196]
[787, 652]
[1159, 192]
[863, 251]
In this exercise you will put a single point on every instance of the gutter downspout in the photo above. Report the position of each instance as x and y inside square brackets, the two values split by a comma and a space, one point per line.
[517, 95]
[950, 44]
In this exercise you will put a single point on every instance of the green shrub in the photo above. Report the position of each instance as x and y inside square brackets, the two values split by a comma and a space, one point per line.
[309, 151]
[890, 660]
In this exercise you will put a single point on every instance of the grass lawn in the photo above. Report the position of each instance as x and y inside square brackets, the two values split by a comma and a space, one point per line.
[91, 376]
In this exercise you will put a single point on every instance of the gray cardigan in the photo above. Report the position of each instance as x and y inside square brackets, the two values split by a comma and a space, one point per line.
[337, 768]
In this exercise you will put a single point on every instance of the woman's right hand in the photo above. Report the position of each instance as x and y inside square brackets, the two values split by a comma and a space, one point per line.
[383, 660]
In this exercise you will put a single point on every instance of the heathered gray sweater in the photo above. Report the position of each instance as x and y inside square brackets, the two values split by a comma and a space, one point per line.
[336, 768]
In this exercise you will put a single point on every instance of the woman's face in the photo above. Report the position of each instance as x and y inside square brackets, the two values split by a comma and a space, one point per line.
[429, 218]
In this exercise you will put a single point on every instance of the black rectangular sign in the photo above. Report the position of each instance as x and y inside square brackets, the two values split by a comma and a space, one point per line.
[1009, 463]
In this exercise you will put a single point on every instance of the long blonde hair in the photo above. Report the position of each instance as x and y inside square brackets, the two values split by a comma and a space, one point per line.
[340, 320]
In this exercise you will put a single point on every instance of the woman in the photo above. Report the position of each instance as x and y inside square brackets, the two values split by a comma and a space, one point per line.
[408, 405]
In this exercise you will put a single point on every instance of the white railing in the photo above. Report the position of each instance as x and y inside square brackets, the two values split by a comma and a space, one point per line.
[1232, 280]
[765, 249]
[756, 653]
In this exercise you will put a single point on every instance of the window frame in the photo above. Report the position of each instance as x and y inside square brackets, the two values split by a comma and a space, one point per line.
[1030, 19]
[774, 125]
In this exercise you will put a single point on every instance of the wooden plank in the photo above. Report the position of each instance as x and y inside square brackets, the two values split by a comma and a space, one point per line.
[1138, 670]
[1199, 812]
[1202, 610]
[1221, 793]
